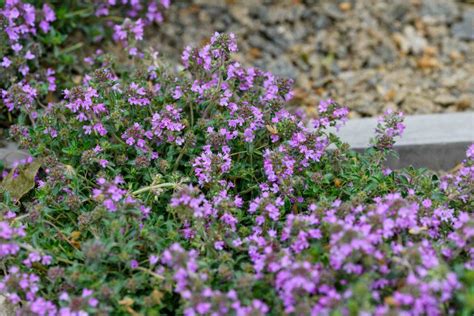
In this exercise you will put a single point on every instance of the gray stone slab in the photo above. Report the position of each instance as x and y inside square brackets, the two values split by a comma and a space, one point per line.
[435, 141]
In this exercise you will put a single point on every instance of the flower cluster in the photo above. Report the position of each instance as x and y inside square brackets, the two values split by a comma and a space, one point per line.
[128, 33]
[202, 299]
[390, 126]
[21, 22]
[202, 218]
[166, 126]
[8, 235]
[151, 10]
[209, 166]
[113, 197]
[460, 185]
[81, 102]
[20, 95]
[110, 194]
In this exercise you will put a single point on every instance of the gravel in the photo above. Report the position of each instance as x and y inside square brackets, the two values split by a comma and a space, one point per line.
[412, 55]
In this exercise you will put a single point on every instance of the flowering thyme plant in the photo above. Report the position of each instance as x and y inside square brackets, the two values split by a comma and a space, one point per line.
[199, 192]
[41, 43]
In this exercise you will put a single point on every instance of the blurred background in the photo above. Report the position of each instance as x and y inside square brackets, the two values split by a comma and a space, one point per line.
[370, 55]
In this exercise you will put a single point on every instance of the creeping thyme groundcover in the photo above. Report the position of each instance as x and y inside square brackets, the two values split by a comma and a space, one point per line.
[197, 190]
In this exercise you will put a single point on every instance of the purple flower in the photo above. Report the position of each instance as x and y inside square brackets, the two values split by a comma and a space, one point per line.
[133, 264]
[390, 126]
[209, 166]
[470, 152]
[153, 260]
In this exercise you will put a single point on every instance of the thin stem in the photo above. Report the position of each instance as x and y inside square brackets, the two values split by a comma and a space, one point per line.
[207, 109]
[238, 153]
[85, 179]
[79, 12]
[73, 47]
[192, 113]
[156, 186]
[115, 18]
[41, 104]
[32, 120]
[176, 164]
[246, 151]
[60, 233]
[249, 189]
[153, 274]
[118, 139]
[20, 217]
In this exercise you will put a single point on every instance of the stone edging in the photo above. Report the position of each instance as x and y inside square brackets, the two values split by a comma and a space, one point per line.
[434, 141]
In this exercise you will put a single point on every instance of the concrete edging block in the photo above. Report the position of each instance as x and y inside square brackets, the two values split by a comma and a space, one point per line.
[435, 141]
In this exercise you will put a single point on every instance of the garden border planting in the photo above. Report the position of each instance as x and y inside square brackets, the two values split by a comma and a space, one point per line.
[139, 186]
